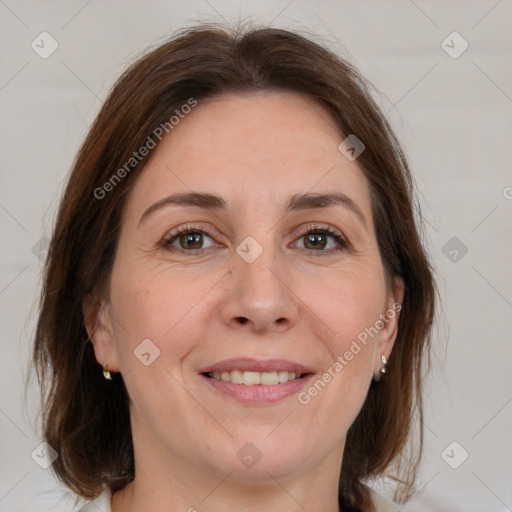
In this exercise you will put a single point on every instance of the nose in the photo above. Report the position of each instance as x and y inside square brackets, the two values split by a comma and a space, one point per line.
[260, 296]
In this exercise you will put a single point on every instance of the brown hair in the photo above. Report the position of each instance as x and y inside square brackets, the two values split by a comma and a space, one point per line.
[86, 418]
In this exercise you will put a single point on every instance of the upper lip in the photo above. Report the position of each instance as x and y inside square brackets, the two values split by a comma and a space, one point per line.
[256, 365]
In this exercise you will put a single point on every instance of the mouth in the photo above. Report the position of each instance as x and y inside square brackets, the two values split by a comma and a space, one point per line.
[250, 378]
[257, 382]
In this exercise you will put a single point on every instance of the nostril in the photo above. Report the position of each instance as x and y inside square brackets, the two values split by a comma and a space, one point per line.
[242, 319]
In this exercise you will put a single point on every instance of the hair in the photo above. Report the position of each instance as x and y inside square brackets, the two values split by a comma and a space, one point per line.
[86, 418]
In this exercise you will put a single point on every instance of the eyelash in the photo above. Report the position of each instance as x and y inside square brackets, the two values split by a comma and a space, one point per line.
[172, 236]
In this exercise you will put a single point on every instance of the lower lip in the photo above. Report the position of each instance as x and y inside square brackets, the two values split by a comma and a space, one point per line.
[258, 393]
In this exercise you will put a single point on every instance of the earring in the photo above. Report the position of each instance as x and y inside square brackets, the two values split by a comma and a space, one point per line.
[383, 370]
[106, 373]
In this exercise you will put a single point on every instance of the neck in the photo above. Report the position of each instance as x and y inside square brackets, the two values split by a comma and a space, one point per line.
[166, 483]
[173, 495]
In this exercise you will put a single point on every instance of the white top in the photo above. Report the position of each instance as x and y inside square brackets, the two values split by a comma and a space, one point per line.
[102, 503]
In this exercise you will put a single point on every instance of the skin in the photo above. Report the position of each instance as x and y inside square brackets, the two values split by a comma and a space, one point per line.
[300, 302]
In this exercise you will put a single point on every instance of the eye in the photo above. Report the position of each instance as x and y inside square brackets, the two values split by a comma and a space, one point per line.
[322, 239]
[186, 239]
[192, 240]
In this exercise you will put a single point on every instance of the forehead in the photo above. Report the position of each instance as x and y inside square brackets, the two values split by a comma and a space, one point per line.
[252, 148]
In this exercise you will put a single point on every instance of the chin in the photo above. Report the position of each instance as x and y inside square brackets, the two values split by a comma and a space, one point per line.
[260, 454]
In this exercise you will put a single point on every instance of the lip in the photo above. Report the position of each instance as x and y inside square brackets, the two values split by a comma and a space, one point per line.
[256, 365]
[257, 394]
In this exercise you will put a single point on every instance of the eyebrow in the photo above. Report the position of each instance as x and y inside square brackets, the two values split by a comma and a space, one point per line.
[296, 202]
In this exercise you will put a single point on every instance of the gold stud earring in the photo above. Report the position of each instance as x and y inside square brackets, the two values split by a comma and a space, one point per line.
[106, 373]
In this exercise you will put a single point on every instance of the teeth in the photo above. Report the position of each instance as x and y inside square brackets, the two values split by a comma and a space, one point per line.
[251, 378]
[237, 377]
[285, 376]
[255, 378]
[269, 378]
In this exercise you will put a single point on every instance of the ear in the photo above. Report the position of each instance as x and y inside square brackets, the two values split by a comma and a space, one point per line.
[388, 333]
[99, 327]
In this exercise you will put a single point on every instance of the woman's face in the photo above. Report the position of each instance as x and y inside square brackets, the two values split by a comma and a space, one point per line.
[252, 276]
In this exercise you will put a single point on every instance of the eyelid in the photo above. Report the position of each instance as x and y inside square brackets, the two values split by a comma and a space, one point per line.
[319, 227]
[173, 234]
[339, 237]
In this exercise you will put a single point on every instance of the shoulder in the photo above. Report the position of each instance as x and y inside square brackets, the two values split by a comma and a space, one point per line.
[382, 504]
[100, 504]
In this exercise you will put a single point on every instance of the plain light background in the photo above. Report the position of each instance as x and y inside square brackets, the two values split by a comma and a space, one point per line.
[453, 116]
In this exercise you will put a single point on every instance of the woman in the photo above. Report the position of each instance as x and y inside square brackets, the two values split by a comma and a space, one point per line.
[236, 302]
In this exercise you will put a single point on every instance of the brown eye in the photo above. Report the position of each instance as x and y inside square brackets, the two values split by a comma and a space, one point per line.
[187, 239]
[323, 240]
[315, 241]
[191, 241]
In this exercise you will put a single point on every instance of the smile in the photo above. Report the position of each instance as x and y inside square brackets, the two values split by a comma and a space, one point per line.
[256, 382]
[249, 378]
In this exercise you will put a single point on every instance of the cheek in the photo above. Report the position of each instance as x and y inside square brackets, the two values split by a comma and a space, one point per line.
[165, 307]
[169, 310]
[349, 304]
